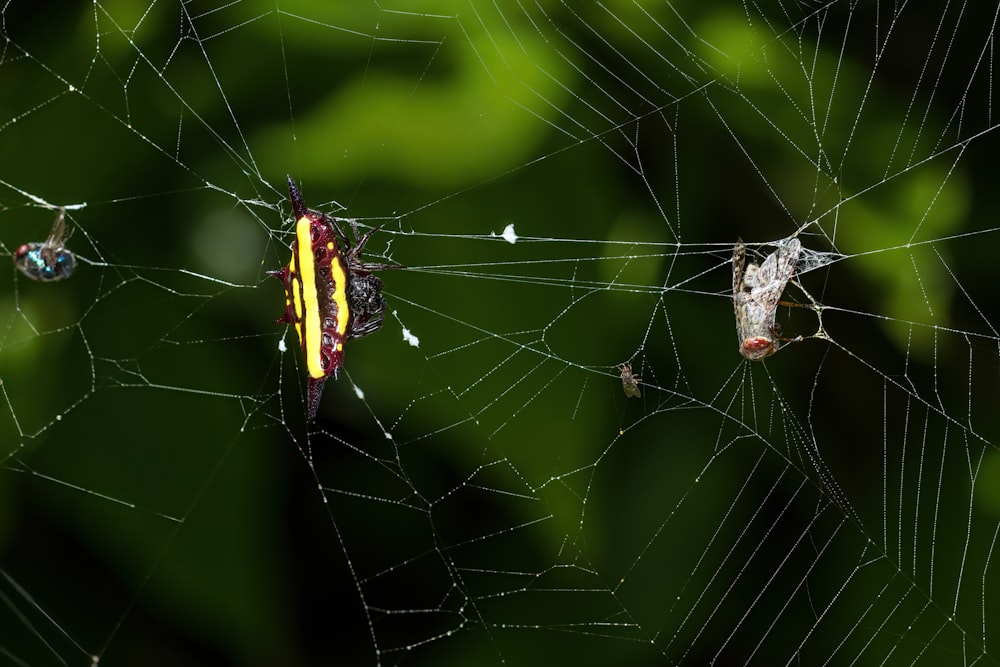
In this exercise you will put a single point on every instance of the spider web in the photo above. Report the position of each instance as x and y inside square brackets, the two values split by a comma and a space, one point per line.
[564, 183]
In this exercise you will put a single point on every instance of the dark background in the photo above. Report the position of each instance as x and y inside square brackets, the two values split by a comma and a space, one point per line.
[494, 497]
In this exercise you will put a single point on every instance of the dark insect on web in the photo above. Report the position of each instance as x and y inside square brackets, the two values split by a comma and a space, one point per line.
[49, 260]
[330, 292]
[756, 296]
[630, 383]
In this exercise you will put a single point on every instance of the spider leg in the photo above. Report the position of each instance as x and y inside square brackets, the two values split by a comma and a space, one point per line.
[361, 240]
[360, 243]
[369, 268]
[371, 326]
[341, 236]
[353, 252]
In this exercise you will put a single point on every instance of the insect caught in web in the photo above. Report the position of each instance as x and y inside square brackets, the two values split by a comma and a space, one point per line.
[330, 292]
[757, 294]
[49, 260]
[630, 383]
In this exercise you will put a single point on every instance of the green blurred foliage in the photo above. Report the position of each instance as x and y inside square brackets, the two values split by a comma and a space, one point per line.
[154, 443]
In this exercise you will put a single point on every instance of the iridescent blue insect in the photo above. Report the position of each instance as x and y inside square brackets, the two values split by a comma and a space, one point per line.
[50, 260]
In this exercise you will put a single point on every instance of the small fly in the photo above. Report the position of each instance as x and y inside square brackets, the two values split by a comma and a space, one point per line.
[49, 260]
[630, 383]
[756, 294]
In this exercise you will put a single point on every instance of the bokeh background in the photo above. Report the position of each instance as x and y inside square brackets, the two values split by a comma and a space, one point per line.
[491, 496]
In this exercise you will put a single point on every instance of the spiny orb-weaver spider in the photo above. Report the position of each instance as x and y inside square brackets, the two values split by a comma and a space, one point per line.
[330, 292]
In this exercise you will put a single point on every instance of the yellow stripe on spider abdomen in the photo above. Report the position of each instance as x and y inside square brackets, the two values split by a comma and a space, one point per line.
[339, 293]
[310, 333]
[318, 281]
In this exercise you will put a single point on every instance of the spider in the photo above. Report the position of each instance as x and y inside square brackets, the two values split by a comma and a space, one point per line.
[630, 383]
[49, 260]
[330, 292]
